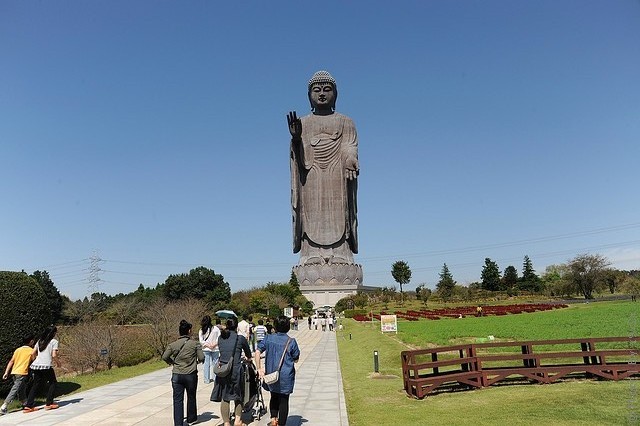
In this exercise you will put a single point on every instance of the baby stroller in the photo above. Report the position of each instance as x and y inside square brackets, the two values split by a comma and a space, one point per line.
[253, 401]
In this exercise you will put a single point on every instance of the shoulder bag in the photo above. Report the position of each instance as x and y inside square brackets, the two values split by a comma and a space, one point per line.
[271, 378]
[223, 370]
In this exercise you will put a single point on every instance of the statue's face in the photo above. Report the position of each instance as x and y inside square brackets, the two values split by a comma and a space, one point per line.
[322, 96]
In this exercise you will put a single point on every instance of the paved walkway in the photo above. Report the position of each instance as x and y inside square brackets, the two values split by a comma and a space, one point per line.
[318, 397]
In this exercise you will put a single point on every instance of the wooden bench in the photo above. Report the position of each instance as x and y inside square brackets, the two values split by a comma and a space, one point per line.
[478, 365]
[421, 378]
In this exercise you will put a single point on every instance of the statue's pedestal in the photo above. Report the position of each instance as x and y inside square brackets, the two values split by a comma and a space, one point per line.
[326, 284]
[340, 274]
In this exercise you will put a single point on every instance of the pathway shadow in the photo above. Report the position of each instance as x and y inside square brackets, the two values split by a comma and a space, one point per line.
[296, 420]
[69, 402]
[65, 388]
[250, 417]
[206, 416]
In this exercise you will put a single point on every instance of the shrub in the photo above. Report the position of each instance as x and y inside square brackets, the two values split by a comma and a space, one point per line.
[24, 309]
[134, 349]
[163, 317]
[82, 345]
[134, 357]
[344, 304]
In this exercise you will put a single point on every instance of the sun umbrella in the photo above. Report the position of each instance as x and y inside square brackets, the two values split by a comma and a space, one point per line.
[226, 314]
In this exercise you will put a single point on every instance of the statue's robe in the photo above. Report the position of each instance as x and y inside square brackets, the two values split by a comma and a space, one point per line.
[323, 199]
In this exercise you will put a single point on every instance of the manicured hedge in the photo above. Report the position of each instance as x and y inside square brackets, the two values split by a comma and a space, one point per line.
[23, 309]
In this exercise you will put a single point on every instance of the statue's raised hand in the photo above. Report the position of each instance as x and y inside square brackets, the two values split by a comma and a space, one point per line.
[295, 125]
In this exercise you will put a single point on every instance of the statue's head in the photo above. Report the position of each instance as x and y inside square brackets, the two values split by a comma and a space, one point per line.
[322, 88]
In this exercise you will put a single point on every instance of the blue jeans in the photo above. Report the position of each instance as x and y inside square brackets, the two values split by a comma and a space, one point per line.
[181, 383]
[210, 359]
[19, 387]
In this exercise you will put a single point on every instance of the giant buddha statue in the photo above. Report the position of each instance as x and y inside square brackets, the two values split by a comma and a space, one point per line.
[324, 183]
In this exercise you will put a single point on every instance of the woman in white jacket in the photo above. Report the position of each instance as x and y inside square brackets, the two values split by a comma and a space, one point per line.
[208, 336]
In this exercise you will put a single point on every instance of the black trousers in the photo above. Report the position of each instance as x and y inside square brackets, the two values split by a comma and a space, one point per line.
[279, 407]
[39, 377]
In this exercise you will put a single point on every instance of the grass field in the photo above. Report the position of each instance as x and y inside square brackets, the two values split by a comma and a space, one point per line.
[380, 399]
[601, 319]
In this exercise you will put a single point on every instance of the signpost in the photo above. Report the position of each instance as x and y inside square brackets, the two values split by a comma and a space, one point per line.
[389, 323]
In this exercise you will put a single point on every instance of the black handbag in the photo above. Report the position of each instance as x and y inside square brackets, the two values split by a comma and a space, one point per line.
[223, 370]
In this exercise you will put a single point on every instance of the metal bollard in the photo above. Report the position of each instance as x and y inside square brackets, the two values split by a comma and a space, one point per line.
[376, 367]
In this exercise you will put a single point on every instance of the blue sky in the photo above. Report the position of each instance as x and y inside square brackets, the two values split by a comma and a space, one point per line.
[153, 133]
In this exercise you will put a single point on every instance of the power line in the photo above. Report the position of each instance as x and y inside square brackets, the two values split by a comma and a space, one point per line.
[48, 267]
[189, 265]
[510, 244]
[134, 273]
[92, 265]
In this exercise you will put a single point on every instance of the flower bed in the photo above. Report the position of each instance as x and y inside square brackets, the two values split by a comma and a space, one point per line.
[465, 311]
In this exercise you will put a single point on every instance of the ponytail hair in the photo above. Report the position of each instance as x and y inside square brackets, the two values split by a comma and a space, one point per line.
[46, 336]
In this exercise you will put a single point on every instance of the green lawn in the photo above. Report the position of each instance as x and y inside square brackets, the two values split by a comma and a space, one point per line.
[381, 399]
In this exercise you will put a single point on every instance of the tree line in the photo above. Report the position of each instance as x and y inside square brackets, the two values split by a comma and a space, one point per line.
[126, 329]
[583, 276]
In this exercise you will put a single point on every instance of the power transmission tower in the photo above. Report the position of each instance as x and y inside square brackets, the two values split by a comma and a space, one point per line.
[94, 271]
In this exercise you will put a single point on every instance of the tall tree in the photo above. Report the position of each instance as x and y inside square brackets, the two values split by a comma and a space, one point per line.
[258, 301]
[293, 282]
[509, 278]
[54, 297]
[554, 281]
[402, 274]
[285, 291]
[530, 280]
[446, 284]
[490, 275]
[631, 285]
[587, 273]
[200, 283]
[361, 300]
[614, 279]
